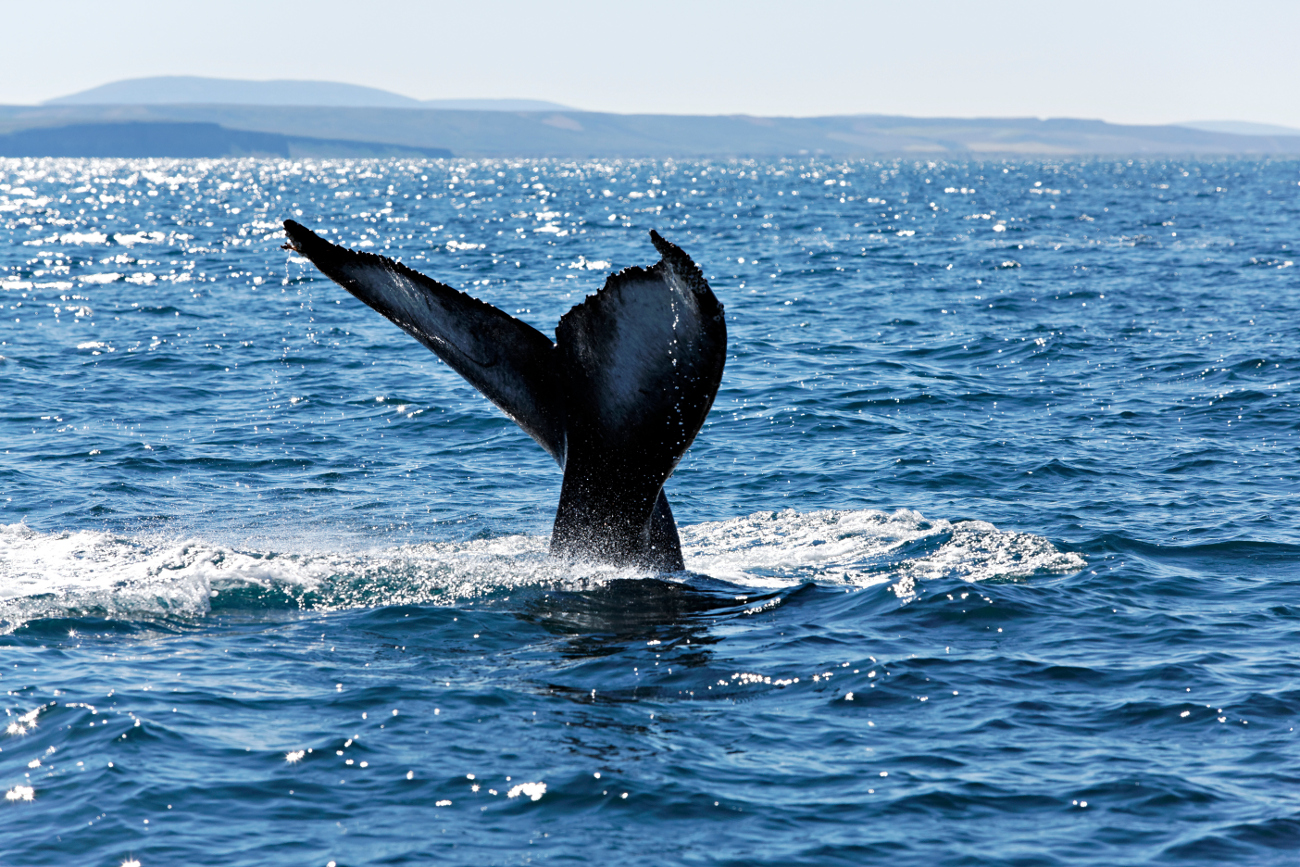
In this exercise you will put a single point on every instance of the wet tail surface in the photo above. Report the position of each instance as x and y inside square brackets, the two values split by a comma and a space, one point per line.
[616, 399]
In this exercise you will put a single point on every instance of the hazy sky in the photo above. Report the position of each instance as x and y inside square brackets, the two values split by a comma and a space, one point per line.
[1131, 61]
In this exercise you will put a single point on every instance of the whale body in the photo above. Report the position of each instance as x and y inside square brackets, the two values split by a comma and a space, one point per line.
[616, 398]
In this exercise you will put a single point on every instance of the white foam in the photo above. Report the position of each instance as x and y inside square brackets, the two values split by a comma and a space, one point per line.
[45, 574]
[92, 572]
[863, 548]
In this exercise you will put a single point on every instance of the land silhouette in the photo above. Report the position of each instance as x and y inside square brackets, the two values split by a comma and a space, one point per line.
[189, 116]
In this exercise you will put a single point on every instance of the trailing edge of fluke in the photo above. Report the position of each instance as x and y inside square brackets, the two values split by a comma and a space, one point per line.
[616, 398]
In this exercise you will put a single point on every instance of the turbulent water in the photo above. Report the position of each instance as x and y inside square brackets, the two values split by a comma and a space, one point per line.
[992, 536]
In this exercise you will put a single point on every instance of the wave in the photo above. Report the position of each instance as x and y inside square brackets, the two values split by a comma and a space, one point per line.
[866, 547]
[90, 573]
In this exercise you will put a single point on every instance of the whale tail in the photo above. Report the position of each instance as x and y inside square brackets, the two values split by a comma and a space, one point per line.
[616, 399]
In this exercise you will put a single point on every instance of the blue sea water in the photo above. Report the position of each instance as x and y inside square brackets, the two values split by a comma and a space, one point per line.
[993, 537]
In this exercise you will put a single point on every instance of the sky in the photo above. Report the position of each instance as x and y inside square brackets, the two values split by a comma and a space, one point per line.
[1135, 61]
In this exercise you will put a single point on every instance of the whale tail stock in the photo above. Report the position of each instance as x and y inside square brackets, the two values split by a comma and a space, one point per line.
[616, 399]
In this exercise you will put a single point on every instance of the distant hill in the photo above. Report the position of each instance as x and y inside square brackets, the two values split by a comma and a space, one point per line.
[579, 135]
[1240, 127]
[195, 90]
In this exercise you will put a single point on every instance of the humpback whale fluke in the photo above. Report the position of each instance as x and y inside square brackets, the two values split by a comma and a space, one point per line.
[616, 399]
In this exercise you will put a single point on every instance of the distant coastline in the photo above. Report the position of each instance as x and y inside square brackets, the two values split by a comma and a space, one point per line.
[155, 138]
[343, 131]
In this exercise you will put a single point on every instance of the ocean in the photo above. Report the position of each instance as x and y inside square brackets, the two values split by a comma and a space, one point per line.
[992, 535]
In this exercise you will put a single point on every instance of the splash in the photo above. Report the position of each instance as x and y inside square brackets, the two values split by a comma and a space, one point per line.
[97, 574]
[90, 573]
[865, 547]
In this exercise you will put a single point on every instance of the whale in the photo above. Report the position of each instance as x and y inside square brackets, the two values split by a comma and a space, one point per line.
[616, 398]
